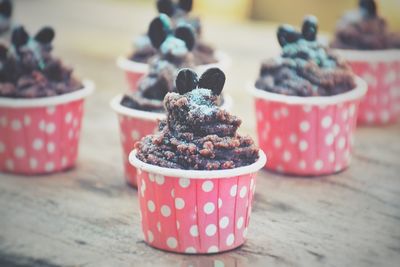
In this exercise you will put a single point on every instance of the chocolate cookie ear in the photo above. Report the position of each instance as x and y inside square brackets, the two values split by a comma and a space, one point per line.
[158, 30]
[213, 79]
[186, 5]
[186, 81]
[287, 34]
[3, 52]
[310, 28]
[166, 7]
[368, 7]
[45, 35]
[19, 36]
[6, 8]
[186, 34]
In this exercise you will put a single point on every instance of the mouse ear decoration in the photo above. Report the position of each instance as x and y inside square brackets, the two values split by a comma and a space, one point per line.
[186, 81]
[158, 30]
[186, 34]
[186, 5]
[6, 8]
[3, 52]
[166, 7]
[368, 7]
[287, 34]
[45, 35]
[310, 28]
[213, 79]
[19, 36]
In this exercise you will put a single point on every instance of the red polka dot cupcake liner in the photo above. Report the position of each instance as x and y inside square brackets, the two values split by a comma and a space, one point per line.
[307, 136]
[134, 125]
[195, 212]
[41, 135]
[134, 71]
[381, 71]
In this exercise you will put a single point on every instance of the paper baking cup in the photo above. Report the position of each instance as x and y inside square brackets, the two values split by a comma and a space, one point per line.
[307, 136]
[41, 135]
[195, 212]
[134, 71]
[134, 125]
[381, 70]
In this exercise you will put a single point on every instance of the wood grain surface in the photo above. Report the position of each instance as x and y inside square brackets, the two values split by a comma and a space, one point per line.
[89, 216]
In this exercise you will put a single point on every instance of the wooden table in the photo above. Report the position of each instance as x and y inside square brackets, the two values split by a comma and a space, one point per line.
[89, 216]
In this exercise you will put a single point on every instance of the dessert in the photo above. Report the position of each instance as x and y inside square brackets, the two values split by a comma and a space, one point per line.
[305, 67]
[363, 39]
[179, 14]
[41, 106]
[196, 177]
[364, 29]
[5, 16]
[174, 53]
[306, 103]
[28, 69]
[197, 134]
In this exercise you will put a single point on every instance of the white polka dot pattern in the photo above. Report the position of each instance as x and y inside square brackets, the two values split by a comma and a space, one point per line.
[131, 131]
[37, 138]
[381, 105]
[213, 214]
[301, 142]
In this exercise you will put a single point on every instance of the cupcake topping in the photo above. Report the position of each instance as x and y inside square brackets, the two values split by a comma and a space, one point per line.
[364, 29]
[305, 67]
[197, 134]
[178, 11]
[174, 48]
[28, 70]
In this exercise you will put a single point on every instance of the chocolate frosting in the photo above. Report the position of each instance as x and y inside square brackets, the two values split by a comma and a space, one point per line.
[364, 29]
[173, 53]
[28, 70]
[197, 134]
[305, 67]
[179, 14]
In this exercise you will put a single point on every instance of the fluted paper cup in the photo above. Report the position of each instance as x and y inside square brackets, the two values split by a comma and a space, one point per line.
[381, 70]
[195, 212]
[307, 136]
[134, 71]
[134, 125]
[41, 135]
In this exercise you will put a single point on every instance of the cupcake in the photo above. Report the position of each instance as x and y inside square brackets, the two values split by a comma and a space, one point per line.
[306, 104]
[204, 55]
[363, 39]
[196, 176]
[41, 106]
[139, 110]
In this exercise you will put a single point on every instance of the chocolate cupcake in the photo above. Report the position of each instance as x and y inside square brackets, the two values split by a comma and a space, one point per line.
[362, 39]
[28, 69]
[180, 15]
[197, 175]
[305, 67]
[364, 29]
[41, 106]
[197, 134]
[306, 104]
